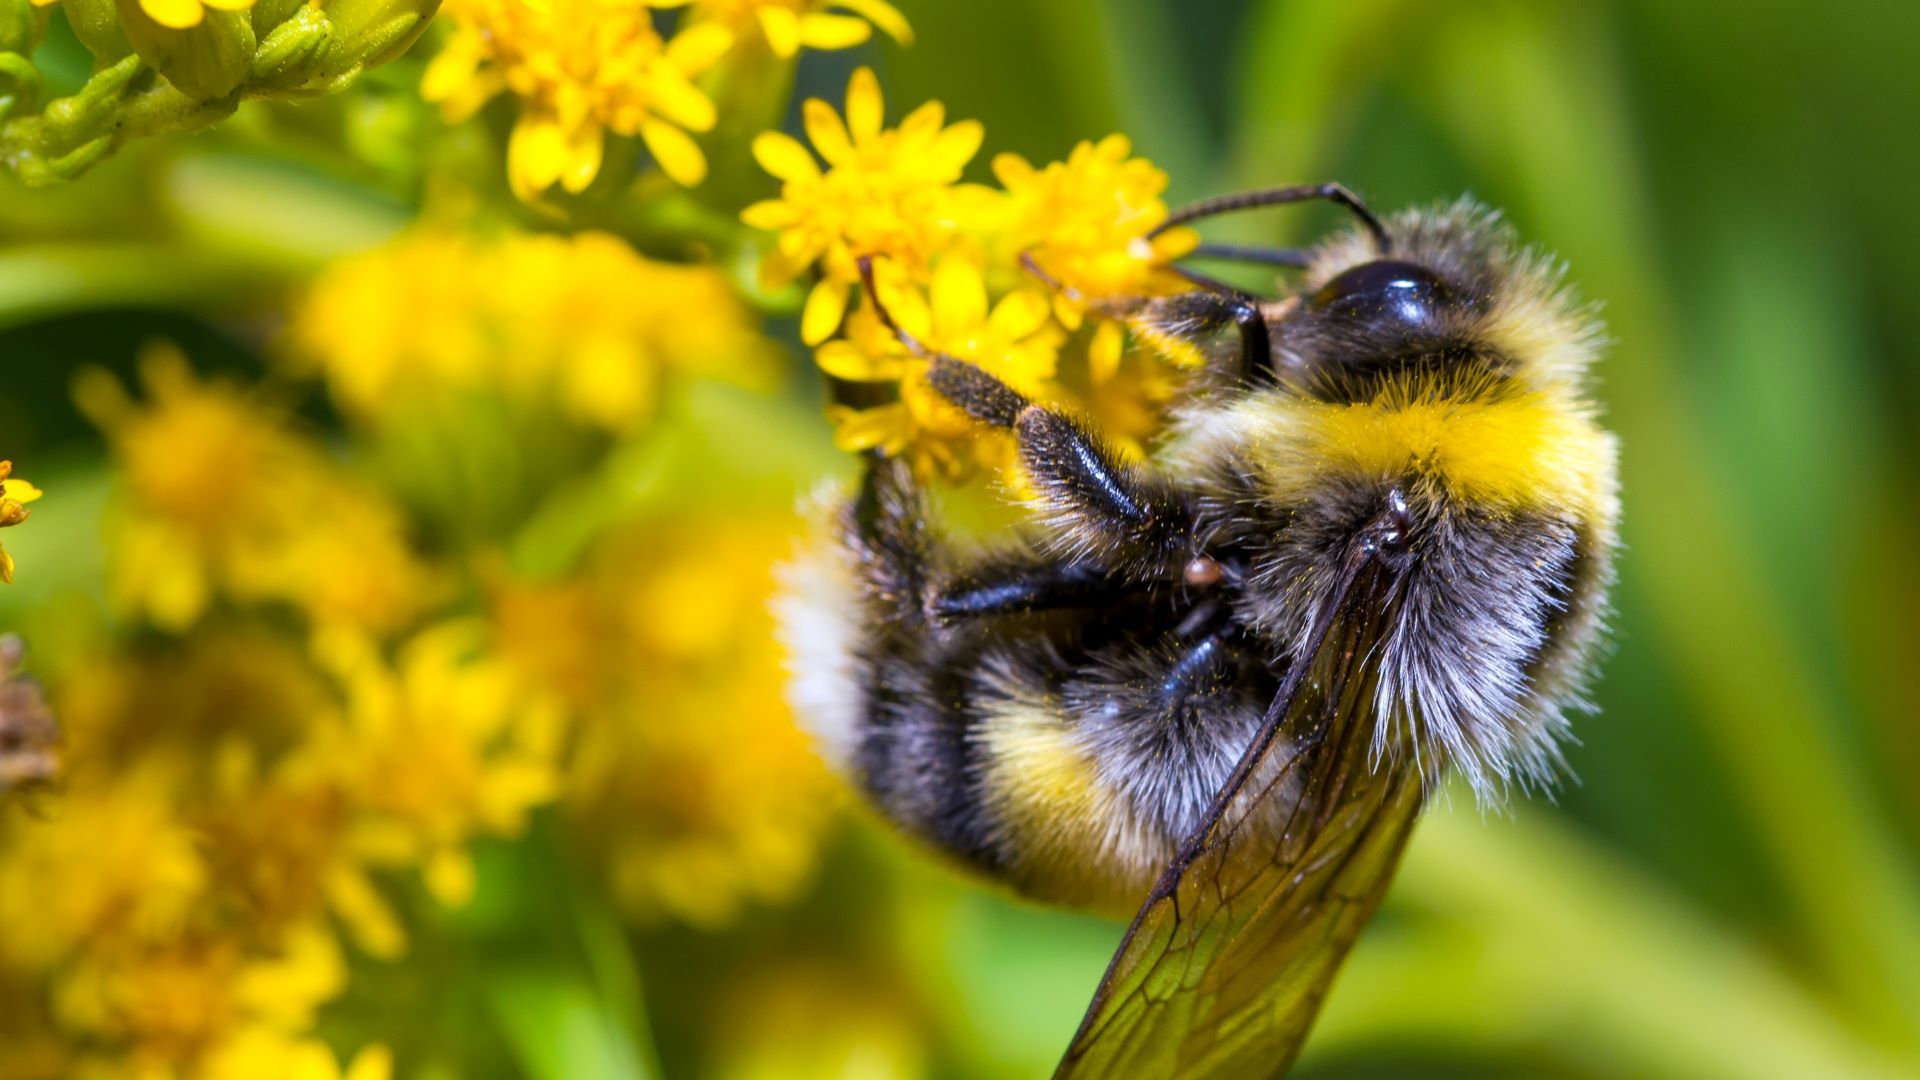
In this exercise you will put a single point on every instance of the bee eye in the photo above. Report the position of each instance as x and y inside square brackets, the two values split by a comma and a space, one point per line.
[1385, 293]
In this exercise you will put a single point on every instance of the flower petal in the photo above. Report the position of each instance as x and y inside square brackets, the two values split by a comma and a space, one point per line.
[826, 132]
[19, 490]
[174, 14]
[959, 297]
[826, 306]
[886, 426]
[782, 29]
[769, 214]
[825, 32]
[584, 147]
[923, 122]
[676, 99]
[881, 14]
[675, 151]
[866, 110]
[955, 147]
[536, 154]
[1020, 314]
[1011, 170]
[698, 47]
[784, 157]
[845, 360]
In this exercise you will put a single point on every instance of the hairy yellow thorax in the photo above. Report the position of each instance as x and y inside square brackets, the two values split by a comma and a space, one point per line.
[1525, 450]
[1534, 448]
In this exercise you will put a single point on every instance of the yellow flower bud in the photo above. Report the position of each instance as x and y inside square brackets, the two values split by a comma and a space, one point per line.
[206, 61]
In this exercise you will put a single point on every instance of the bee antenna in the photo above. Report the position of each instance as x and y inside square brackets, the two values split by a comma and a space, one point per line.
[865, 262]
[1247, 200]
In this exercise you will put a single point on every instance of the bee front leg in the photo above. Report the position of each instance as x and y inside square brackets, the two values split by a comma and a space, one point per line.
[1187, 320]
[1097, 506]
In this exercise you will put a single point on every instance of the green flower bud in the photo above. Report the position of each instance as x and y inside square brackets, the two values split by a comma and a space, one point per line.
[97, 24]
[372, 32]
[21, 24]
[292, 53]
[206, 62]
[19, 83]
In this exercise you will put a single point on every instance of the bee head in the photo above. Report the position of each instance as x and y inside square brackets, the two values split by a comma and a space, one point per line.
[1380, 319]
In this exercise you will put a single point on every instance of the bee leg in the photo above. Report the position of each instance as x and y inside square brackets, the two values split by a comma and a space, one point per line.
[1015, 590]
[1099, 505]
[1171, 323]
[1176, 323]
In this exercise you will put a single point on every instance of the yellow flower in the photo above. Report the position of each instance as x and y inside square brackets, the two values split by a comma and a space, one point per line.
[790, 25]
[443, 746]
[581, 323]
[181, 14]
[1014, 340]
[14, 495]
[263, 1052]
[690, 785]
[581, 69]
[1085, 220]
[222, 497]
[884, 193]
[115, 861]
[189, 1002]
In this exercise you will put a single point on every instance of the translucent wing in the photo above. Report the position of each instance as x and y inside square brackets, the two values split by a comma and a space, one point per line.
[1229, 958]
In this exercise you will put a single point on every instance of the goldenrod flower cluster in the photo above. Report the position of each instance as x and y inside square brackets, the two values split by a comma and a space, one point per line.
[580, 325]
[788, 26]
[690, 788]
[223, 500]
[955, 263]
[586, 71]
[441, 583]
[298, 729]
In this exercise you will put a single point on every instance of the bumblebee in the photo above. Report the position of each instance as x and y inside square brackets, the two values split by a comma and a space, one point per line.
[1216, 689]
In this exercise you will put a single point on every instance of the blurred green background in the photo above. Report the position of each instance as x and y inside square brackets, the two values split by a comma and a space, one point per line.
[1731, 885]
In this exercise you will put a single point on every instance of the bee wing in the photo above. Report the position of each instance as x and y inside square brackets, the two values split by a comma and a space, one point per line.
[1227, 962]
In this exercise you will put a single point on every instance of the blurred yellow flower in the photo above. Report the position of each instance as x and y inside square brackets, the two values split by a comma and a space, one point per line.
[808, 1021]
[15, 493]
[582, 69]
[443, 745]
[888, 193]
[222, 497]
[690, 784]
[790, 25]
[1014, 339]
[581, 322]
[181, 14]
[115, 861]
[263, 1052]
[197, 1005]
